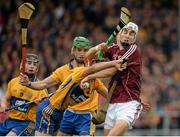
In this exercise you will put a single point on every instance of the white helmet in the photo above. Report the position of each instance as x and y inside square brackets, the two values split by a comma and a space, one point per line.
[132, 26]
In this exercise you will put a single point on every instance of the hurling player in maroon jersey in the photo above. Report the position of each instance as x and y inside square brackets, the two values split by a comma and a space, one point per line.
[125, 104]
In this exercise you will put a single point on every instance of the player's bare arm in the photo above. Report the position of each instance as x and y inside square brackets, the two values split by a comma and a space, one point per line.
[109, 72]
[4, 104]
[48, 111]
[39, 85]
[101, 66]
[92, 52]
[100, 74]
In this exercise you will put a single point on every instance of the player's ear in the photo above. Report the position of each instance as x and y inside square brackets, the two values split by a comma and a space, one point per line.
[38, 67]
[134, 40]
[72, 50]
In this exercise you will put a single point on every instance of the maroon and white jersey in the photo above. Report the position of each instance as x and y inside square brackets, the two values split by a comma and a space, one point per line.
[129, 86]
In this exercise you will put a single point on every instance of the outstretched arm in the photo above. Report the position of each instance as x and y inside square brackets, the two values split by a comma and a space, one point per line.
[92, 52]
[101, 66]
[109, 72]
[103, 73]
[38, 85]
[4, 104]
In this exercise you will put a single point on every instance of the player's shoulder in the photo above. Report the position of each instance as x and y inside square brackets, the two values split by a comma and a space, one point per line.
[113, 46]
[133, 53]
[133, 49]
[65, 66]
[14, 80]
[77, 69]
[62, 68]
[138, 50]
[111, 50]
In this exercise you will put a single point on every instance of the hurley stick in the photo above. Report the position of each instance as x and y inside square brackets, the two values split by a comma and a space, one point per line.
[25, 12]
[124, 19]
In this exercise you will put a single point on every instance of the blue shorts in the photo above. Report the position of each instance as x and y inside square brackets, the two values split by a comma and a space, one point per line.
[44, 125]
[77, 123]
[20, 127]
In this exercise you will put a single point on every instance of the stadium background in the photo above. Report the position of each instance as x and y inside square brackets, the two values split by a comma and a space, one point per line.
[55, 24]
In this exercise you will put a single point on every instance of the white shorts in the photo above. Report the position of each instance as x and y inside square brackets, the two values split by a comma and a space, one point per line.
[128, 111]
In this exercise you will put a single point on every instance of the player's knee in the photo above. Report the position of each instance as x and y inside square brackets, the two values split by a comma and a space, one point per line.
[106, 131]
[121, 126]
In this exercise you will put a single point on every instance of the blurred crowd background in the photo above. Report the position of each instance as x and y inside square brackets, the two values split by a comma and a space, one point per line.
[56, 22]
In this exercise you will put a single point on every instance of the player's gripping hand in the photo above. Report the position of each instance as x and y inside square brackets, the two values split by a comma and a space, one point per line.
[24, 80]
[101, 47]
[146, 107]
[100, 115]
[120, 64]
[84, 83]
[37, 101]
[48, 111]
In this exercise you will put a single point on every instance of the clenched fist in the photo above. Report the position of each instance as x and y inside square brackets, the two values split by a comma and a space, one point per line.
[24, 80]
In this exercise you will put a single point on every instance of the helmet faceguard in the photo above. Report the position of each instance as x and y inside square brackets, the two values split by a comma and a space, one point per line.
[32, 57]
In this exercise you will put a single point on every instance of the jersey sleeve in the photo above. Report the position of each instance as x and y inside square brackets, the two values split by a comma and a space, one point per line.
[56, 75]
[108, 52]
